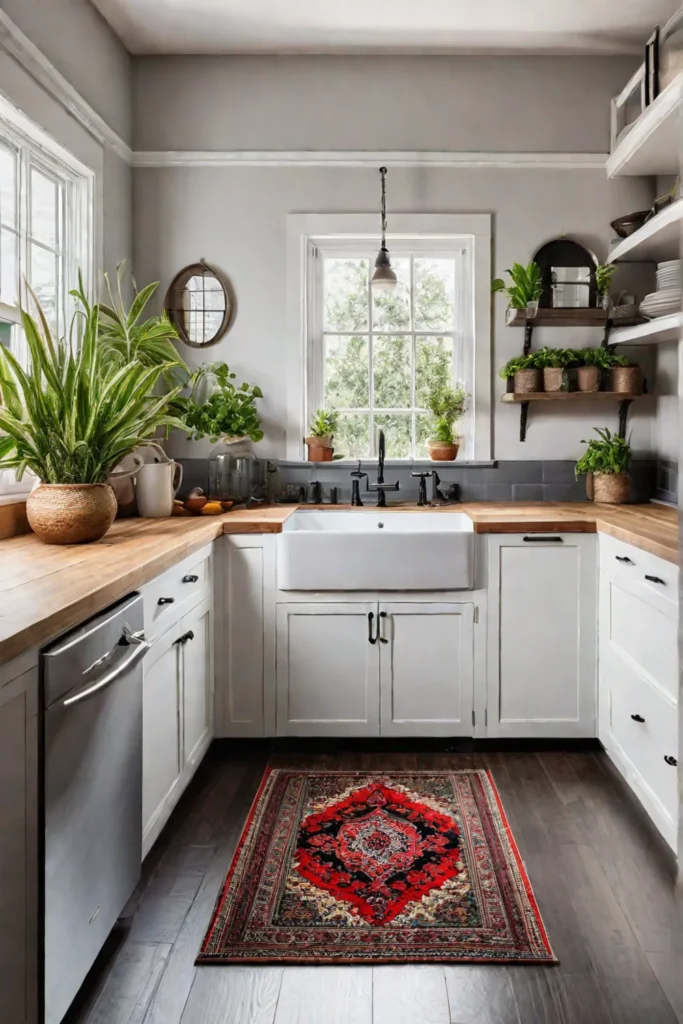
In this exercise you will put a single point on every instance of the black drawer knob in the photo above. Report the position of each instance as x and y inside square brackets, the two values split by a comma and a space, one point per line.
[624, 559]
[191, 579]
[671, 760]
[166, 600]
[637, 718]
[655, 579]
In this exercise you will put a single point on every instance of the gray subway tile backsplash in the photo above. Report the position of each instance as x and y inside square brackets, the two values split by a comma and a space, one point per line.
[527, 492]
[666, 487]
[558, 472]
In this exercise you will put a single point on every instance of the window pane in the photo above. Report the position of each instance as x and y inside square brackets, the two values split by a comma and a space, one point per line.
[433, 367]
[347, 376]
[346, 294]
[43, 280]
[391, 310]
[391, 356]
[396, 427]
[8, 267]
[6, 333]
[8, 187]
[424, 428]
[44, 207]
[352, 436]
[434, 294]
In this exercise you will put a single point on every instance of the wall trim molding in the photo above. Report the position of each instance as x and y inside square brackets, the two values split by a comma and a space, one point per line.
[18, 45]
[362, 158]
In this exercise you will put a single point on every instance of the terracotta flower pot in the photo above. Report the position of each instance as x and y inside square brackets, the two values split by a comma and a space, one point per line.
[626, 379]
[528, 380]
[71, 513]
[443, 451]
[589, 378]
[555, 379]
[611, 488]
[320, 449]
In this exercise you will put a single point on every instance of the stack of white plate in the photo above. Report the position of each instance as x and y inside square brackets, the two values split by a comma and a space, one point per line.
[667, 299]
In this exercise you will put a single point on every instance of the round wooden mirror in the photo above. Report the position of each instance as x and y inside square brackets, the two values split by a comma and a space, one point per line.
[200, 304]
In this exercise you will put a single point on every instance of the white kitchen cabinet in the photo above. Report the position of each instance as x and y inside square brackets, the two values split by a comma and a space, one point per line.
[542, 635]
[245, 676]
[327, 669]
[162, 755]
[426, 653]
[197, 682]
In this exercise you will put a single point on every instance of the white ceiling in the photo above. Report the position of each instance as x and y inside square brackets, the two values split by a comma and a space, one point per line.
[393, 26]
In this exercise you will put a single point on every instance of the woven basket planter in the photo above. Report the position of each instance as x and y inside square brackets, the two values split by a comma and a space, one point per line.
[611, 488]
[528, 380]
[555, 379]
[626, 379]
[589, 378]
[71, 513]
[442, 451]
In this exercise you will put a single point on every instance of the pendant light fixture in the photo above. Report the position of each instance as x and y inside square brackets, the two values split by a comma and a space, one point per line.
[384, 278]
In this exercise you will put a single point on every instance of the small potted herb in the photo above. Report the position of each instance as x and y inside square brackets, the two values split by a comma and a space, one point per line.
[555, 363]
[447, 406]
[605, 465]
[524, 372]
[595, 362]
[321, 436]
[603, 279]
[625, 377]
[227, 412]
[526, 288]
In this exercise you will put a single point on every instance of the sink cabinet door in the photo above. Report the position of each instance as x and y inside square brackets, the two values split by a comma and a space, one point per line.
[542, 611]
[426, 669]
[327, 670]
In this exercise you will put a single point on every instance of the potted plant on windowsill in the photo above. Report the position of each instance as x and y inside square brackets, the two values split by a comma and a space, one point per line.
[321, 436]
[71, 418]
[447, 405]
[524, 372]
[525, 290]
[556, 363]
[605, 465]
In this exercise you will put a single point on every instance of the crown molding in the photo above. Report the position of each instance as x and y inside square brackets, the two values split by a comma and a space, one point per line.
[17, 44]
[362, 158]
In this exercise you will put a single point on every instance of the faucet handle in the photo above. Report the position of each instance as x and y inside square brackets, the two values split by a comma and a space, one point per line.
[423, 476]
[357, 473]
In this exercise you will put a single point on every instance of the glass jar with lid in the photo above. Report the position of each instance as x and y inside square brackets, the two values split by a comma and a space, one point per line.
[235, 474]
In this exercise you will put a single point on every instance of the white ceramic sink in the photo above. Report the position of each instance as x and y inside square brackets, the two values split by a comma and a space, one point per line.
[376, 550]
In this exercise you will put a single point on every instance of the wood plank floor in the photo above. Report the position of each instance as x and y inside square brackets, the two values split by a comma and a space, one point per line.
[602, 878]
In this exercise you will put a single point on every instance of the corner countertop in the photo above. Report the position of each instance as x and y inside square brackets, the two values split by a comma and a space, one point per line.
[45, 590]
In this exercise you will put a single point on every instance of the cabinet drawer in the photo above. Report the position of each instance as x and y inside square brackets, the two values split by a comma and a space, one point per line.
[624, 562]
[646, 743]
[189, 580]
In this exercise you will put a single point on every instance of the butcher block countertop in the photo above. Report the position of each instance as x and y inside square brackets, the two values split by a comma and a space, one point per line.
[45, 590]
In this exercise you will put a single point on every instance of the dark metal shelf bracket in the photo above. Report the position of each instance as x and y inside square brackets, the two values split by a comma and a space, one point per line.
[524, 413]
[623, 415]
[528, 335]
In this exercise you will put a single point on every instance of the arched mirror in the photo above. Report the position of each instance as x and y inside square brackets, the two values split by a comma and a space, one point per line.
[200, 304]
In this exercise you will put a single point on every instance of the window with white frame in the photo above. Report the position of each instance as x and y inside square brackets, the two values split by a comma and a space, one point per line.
[375, 357]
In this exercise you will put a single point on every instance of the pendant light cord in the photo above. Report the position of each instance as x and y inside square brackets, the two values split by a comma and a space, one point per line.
[383, 172]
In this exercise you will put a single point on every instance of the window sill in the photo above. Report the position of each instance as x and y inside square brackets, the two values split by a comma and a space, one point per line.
[19, 498]
[348, 464]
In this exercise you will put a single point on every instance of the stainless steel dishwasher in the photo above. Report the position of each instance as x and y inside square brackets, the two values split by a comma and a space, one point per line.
[92, 791]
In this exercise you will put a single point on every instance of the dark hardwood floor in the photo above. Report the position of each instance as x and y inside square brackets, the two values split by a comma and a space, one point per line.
[603, 881]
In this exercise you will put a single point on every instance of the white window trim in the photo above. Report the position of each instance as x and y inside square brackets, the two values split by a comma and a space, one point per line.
[308, 231]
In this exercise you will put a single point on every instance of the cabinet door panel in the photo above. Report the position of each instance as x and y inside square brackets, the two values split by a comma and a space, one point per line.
[645, 634]
[426, 669]
[197, 681]
[161, 732]
[327, 671]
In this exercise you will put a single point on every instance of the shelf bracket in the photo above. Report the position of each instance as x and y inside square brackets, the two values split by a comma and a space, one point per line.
[609, 324]
[528, 335]
[523, 415]
[623, 415]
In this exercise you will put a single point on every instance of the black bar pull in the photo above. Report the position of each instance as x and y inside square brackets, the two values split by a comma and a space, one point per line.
[637, 718]
[185, 637]
[624, 559]
[382, 639]
[166, 600]
[671, 760]
[541, 539]
[191, 578]
[371, 618]
[655, 579]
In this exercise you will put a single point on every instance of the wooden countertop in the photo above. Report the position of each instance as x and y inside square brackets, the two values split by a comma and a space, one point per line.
[45, 590]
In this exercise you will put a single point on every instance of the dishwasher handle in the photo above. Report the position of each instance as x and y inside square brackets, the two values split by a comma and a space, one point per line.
[135, 647]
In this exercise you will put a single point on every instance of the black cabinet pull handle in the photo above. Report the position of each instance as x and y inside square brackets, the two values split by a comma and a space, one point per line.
[191, 579]
[671, 760]
[185, 637]
[541, 539]
[637, 718]
[371, 639]
[166, 600]
[382, 639]
[655, 579]
[624, 559]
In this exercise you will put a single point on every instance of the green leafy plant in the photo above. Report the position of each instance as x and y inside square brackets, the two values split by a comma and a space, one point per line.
[526, 286]
[528, 362]
[76, 413]
[603, 277]
[323, 424]
[556, 358]
[229, 411]
[608, 454]
[447, 405]
[601, 357]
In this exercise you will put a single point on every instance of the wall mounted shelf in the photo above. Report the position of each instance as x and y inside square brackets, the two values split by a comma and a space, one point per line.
[651, 332]
[581, 317]
[659, 239]
[651, 144]
[623, 398]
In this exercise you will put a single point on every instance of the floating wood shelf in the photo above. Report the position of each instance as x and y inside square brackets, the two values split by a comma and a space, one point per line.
[657, 240]
[624, 399]
[587, 317]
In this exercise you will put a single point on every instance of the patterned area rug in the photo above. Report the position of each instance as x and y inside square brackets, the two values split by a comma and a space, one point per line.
[368, 867]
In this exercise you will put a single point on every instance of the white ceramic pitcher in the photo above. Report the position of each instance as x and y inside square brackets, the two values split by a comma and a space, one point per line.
[157, 486]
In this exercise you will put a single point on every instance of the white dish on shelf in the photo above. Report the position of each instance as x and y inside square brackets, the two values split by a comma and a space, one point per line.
[662, 303]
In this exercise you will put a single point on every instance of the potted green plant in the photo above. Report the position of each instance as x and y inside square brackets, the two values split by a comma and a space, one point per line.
[605, 464]
[556, 363]
[321, 436]
[526, 288]
[447, 405]
[594, 363]
[228, 413]
[71, 418]
[603, 278]
[625, 377]
[524, 372]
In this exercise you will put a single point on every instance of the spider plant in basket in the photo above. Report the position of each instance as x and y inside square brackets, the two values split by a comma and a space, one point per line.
[605, 465]
[73, 416]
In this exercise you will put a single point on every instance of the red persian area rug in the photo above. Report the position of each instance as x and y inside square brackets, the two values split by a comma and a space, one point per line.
[373, 868]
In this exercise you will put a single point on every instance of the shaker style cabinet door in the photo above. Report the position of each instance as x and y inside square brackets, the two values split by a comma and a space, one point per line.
[426, 669]
[197, 672]
[162, 758]
[327, 669]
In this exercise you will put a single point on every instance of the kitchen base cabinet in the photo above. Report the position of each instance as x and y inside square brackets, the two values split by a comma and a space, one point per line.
[197, 683]
[542, 635]
[161, 734]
